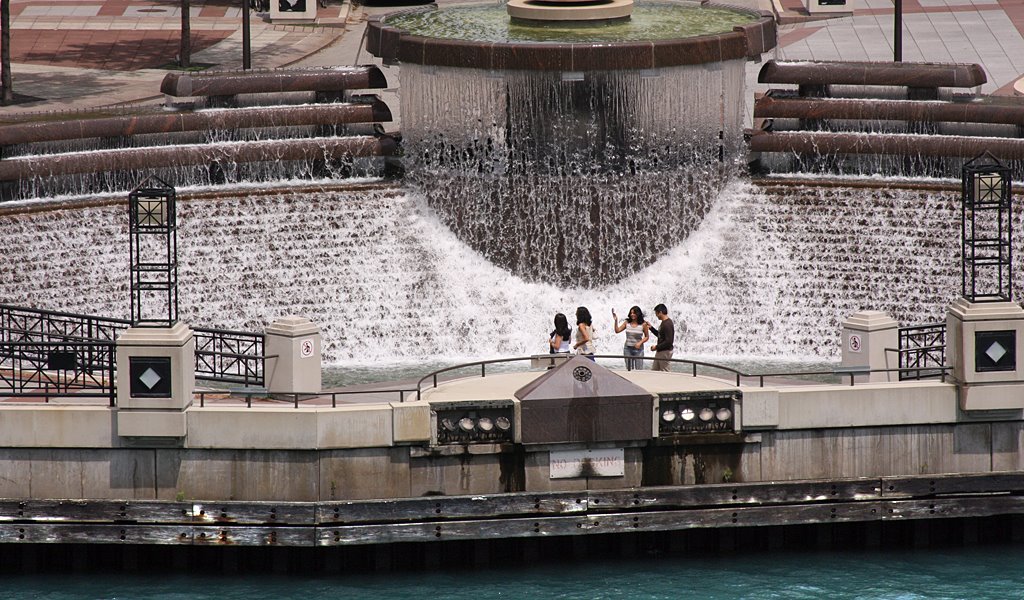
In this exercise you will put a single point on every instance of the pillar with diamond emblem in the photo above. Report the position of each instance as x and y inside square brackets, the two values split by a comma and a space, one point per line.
[985, 328]
[155, 381]
[156, 356]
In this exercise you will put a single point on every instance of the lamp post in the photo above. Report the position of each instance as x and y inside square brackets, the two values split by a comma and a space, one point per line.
[153, 254]
[246, 37]
[897, 32]
[986, 230]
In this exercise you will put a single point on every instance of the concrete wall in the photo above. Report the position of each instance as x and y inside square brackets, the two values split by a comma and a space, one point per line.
[381, 450]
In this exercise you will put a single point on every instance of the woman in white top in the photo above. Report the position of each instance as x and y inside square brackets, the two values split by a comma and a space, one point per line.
[558, 342]
[637, 334]
[584, 333]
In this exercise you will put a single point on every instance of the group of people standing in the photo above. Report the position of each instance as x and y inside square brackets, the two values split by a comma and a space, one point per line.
[638, 333]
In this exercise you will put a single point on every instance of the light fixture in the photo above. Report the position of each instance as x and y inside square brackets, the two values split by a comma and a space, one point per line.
[723, 414]
[448, 424]
[503, 423]
[686, 414]
[706, 414]
[485, 424]
[668, 415]
[466, 424]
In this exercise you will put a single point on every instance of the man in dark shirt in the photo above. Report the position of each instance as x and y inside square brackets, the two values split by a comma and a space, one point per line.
[666, 335]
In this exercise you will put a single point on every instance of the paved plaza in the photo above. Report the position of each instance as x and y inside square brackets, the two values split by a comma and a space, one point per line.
[74, 54]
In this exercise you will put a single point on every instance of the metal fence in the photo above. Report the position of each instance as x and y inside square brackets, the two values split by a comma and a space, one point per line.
[922, 351]
[229, 356]
[46, 370]
[235, 357]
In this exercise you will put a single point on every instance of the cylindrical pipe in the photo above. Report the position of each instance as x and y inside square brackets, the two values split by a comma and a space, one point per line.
[824, 143]
[127, 159]
[769, 107]
[225, 119]
[961, 75]
[229, 83]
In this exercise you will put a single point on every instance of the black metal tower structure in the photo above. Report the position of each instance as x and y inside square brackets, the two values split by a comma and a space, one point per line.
[986, 230]
[153, 235]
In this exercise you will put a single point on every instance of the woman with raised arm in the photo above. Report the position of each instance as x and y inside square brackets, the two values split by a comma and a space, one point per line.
[637, 333]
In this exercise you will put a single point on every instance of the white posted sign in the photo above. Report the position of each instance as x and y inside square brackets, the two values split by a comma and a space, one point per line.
[587, 463]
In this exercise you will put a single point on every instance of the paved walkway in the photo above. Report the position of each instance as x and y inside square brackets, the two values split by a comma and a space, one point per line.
[75, 54]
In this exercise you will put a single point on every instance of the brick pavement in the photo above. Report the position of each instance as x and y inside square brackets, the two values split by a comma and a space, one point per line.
[74, 54]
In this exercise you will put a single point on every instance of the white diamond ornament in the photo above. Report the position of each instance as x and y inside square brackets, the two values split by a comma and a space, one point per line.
[995, 352]
[150, 378]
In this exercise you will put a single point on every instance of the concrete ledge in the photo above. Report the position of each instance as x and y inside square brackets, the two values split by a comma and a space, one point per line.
[151, 423]
[411, 421]
[368, 426]
[863, 405]
[56, 426]
[252, 428]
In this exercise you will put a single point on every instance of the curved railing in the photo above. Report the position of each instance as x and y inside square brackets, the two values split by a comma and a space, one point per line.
[850, 372]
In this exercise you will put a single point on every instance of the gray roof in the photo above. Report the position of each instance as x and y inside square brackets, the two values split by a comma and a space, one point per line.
[579, 377]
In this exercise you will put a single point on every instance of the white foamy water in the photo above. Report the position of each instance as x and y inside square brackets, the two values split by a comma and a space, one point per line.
[769, 273]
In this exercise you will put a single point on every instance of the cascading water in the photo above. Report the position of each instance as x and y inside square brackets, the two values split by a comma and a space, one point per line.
[770, 272]
[578, 180]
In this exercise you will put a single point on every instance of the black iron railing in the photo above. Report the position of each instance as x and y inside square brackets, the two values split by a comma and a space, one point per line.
[45, 370]
[229, 356]
[739, 377]
[235, 357]
[922, 351]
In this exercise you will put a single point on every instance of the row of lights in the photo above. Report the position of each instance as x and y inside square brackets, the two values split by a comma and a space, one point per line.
[687, 414]
[484, 424]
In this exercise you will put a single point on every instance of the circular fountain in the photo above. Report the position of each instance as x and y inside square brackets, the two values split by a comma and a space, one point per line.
[574, 150]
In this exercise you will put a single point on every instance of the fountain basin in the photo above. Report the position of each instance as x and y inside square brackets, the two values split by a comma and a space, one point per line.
[553, 48]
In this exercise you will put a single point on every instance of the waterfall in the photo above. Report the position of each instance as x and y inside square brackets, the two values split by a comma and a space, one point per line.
[770, 272]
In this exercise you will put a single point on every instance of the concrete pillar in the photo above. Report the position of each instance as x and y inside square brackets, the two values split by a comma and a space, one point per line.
[293, 349]
[985, 347]
[156, 377]
[866, 337]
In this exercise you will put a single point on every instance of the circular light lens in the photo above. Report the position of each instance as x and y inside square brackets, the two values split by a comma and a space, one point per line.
[706, 414]
[448, 424]
[485, 424]
[723, 414]
[502, 423]
[686, 414]
[668, 416]
[466, 424]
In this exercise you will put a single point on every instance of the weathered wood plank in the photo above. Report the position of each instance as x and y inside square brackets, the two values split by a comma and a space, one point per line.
[155, 511]
[927, 485]
[591, 524]
[736, 494]
[951, 508]
[452, 507]
[254, 536]
[94, 533]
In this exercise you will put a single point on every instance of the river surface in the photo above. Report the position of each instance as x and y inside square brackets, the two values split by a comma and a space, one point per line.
[967, 573]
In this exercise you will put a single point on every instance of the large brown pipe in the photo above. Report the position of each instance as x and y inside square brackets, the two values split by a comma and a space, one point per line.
[230, 83]
[888, 110]
[930, 75]
[824, 143]
[129, 159]
[226, 119]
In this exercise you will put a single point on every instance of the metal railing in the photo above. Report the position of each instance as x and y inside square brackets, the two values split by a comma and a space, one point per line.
[922, 351]
[233, 357]
[230, 356]
[735, 374]
[294, 399]
[33, 370]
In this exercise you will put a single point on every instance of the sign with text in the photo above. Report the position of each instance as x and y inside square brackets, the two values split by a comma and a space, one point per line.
[587, 463]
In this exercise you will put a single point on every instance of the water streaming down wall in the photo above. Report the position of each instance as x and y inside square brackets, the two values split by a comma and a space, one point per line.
[575, 178]
[770, 272]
